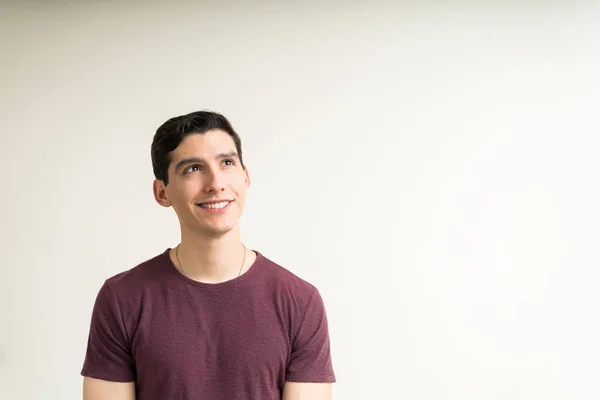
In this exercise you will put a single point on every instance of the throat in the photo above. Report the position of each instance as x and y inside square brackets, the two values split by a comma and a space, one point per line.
[212, 267]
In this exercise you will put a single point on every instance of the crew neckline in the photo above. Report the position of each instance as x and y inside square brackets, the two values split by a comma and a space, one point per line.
[238, 279]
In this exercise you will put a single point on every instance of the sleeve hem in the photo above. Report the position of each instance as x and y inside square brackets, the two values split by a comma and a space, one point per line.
[111, 377]
[311, 378]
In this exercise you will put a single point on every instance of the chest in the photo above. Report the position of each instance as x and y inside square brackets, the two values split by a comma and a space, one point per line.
[211, 340]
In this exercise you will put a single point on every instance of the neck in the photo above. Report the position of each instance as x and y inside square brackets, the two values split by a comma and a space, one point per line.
[210, 260]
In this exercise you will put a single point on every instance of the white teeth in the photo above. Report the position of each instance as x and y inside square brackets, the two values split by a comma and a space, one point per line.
[215, 205]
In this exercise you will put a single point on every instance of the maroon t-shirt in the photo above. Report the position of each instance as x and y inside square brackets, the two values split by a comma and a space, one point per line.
[182, 339]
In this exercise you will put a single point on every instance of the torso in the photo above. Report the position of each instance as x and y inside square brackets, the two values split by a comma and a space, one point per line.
[193, 340]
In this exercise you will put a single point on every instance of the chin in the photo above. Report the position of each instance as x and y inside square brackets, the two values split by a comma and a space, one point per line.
[219, 230]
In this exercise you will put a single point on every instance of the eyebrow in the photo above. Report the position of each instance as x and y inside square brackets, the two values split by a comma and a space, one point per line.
[198, 160]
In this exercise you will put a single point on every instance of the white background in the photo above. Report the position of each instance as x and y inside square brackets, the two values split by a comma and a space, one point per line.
[432, 169]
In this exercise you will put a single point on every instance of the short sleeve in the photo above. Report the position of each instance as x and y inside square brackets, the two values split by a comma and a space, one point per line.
[310, 359]
[108, 355]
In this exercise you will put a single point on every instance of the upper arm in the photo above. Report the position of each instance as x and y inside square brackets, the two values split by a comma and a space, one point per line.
[306, 391]
[310, 358]
[109, 355]
[98, 389]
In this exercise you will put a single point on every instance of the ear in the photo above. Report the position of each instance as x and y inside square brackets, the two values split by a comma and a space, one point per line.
[248, 181]
[160, 193]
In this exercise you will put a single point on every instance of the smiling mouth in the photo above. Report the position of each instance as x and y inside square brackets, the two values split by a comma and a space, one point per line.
[215, 206]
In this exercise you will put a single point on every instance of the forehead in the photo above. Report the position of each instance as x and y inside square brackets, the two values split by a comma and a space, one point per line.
[214, 141]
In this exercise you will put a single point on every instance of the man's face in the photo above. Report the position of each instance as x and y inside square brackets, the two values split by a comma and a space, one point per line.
[207, 184]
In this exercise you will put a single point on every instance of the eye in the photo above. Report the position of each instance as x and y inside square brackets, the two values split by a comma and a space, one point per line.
[230, 161]
[191, 168]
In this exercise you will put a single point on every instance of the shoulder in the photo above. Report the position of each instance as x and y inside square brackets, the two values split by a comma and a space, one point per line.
[305, 315]
[285, 282]
[146, 273]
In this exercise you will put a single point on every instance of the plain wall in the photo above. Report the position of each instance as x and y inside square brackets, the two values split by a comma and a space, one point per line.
[432, 168]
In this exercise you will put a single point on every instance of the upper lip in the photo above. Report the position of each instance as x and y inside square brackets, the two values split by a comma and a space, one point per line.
[214, 201]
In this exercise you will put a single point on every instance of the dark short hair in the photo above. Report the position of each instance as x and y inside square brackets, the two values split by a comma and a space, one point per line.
[173, 131]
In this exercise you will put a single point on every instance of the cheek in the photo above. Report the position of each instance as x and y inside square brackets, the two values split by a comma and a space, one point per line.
[241, 188]
[182, 195]
[238, 182]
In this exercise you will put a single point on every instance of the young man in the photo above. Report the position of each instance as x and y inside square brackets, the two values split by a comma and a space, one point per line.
[209, 319]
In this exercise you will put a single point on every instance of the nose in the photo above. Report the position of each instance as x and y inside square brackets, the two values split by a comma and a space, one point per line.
[214, 181]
